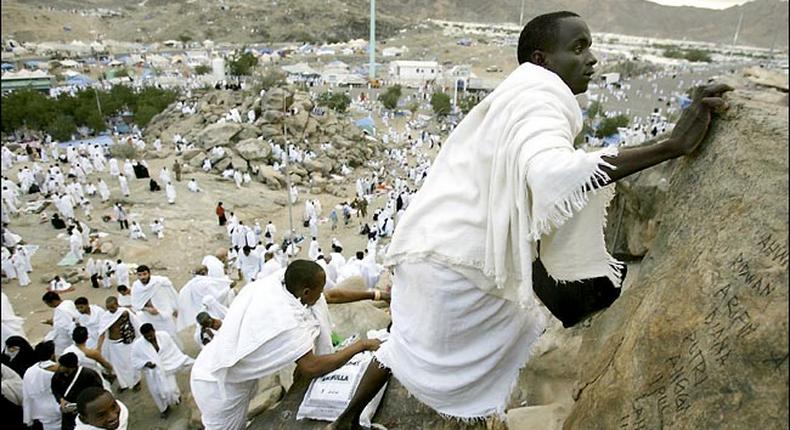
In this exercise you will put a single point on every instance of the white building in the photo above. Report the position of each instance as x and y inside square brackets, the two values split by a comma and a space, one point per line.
[414, 72]
[393, 51]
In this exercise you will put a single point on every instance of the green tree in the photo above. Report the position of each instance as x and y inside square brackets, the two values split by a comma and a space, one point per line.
[241, 64]
[608, 126]
[390, 97]
[184, 38]
[338, 102]
[440, 102]
[202, 69]
[61, 127]
[697, 55]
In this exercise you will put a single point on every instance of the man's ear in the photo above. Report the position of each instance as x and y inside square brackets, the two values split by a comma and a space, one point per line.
[538, 58]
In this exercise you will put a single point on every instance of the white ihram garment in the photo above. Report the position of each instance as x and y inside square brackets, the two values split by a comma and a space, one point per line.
[265, 330]
[119, 354]
[507, 177]
[38, 403]
[12, 324]
[123, 420]
[161, 380]
[161, 294]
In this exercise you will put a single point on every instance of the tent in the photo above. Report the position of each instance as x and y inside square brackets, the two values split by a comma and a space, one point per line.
[80, 81]
[8, 66]
[367, 125]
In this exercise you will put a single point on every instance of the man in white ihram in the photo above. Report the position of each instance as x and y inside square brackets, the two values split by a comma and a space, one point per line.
[155, 301]
[507, 177]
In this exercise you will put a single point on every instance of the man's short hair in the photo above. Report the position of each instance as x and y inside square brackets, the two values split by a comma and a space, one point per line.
[360, 255]
[110, 299]
[79, 335]
[45, 350]
[203, 317]
[143, 268]
[50, 296]
[87, 395]
[121, 288]
[540, 34]
[69, 360]
[301, 274]
[146, 328]
[81, 301]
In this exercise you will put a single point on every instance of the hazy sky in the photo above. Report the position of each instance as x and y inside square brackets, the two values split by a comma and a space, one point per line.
[709, 4]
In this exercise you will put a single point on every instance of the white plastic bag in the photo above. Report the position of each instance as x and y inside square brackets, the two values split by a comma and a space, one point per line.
[329, 395]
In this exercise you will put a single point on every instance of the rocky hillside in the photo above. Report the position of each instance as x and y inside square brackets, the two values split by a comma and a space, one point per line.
[765, 22]
[245, 146]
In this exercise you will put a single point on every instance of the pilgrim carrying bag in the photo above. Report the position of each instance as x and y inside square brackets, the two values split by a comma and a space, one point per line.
[573, 301]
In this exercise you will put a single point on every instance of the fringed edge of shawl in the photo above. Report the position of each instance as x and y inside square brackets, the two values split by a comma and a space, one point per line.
[499, 412]
[576, 200]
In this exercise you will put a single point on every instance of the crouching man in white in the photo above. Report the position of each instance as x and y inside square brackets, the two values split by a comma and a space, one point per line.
[159, 359]
[273, 322]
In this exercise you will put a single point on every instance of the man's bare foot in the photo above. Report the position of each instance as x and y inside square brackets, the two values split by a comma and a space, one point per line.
[136, 388]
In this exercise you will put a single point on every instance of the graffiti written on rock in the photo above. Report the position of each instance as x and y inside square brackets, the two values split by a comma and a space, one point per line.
[711, 346]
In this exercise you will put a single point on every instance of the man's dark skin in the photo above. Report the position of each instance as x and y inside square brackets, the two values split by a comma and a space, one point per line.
[572, 60]
[114, 332]
[103, 412]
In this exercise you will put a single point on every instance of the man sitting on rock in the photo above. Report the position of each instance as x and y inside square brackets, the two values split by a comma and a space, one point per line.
[272, 323]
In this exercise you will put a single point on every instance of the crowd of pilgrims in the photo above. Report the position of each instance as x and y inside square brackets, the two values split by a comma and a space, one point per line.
[94, 351]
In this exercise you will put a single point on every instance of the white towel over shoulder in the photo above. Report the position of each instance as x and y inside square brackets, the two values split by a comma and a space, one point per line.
[507, 177]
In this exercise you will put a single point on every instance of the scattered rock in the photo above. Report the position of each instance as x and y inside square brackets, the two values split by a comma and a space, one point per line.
[217, 134]
[254, 150]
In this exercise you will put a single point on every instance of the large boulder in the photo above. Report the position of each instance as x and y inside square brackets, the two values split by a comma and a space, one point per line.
[357, 317]
[274, 179]
[632, 224]
[217, 134]
[248, 131]
[254, 150]
[268, 131]
[700, 340]
[275, 99]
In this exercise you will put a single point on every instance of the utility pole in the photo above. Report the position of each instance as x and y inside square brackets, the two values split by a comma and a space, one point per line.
[521, 15]
[98, 104]
[287, 174]
[372, 44]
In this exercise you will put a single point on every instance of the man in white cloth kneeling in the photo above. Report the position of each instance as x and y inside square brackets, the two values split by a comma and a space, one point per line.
[464, 314]
[159, 358]
[272, 323]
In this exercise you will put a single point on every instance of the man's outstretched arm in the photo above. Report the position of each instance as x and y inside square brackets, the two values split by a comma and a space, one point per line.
[690, 130]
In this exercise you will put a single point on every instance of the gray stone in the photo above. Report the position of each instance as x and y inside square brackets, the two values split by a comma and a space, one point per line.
[273, 116]
[217, 135]
[632, 224]
[264, 401]
[254, 150]
[357, 317]
[700, 339]
[544, 417]
[190, 154]
[272, 178]
[248, 131]
[268, 131]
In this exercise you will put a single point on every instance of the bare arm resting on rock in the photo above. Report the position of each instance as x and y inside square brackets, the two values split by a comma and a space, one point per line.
[688, 134]
[313, 366]
[344, 295]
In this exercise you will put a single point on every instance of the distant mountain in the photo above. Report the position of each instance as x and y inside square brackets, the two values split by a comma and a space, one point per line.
[765, 22]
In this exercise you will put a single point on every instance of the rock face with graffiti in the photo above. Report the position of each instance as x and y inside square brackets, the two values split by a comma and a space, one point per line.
[700, 339]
